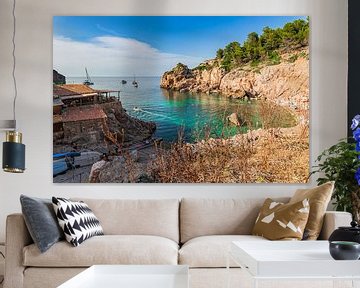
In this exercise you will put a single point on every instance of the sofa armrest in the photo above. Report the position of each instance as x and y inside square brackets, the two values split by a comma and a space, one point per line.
[333, 220]
[17, 237]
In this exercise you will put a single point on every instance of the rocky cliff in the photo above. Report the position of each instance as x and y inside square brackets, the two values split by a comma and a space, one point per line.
[286, 83]
[128, 129]
[58, 78]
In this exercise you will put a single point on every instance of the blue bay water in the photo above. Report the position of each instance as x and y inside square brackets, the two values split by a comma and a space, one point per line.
[193, 113]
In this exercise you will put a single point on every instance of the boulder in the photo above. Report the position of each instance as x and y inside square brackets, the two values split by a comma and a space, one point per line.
[234, 119]
[122, 169]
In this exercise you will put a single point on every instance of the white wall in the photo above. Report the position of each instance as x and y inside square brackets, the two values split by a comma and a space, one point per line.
[34, 75]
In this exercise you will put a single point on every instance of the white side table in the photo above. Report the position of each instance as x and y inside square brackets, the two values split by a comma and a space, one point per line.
[131, 276]
[293, 262]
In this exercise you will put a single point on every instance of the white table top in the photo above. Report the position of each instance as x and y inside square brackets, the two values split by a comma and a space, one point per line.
[131, 276]
[291, 259]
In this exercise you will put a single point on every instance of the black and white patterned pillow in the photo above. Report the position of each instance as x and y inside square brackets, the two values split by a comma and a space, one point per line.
[77, 220]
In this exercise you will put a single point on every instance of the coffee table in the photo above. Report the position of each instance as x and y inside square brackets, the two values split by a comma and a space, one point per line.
[293, 260]
[131, 276]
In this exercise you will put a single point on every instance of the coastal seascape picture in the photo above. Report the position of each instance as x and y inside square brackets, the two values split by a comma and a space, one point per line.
[181, 99]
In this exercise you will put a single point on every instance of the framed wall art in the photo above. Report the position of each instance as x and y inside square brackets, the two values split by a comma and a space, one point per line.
[181, 99]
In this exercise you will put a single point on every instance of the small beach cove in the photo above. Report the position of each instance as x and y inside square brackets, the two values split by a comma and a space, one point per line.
[196, 115]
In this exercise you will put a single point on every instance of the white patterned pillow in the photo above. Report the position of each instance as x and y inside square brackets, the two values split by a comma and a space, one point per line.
[77, 220]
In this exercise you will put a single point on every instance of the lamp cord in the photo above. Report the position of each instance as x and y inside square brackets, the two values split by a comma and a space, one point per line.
[14, 61]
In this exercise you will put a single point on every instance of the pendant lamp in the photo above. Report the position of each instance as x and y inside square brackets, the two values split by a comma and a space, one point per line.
[13, 158]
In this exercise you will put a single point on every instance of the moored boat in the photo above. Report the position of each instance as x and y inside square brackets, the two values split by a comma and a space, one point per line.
[88, 79]
[135, 83]
[57, 156]
[62, 162]
[60, 167]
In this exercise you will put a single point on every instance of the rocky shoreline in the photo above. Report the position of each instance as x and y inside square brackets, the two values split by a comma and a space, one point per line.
[285, 84]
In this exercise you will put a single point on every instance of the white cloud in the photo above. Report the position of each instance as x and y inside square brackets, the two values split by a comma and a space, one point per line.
[113, 56]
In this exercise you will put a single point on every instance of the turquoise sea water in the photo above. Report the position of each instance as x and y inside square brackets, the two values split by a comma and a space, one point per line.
[195, 114]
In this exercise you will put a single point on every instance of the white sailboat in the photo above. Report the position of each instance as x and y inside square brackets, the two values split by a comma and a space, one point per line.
[88, 79]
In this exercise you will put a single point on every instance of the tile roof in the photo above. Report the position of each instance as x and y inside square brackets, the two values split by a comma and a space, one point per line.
[58, 91]
[78, 88]
[71, 89]
[74, 114]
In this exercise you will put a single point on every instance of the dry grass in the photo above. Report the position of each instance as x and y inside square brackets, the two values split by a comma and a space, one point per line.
[271, 155]
[281, 157]
[206, 162]
[272, 115]
[268, 155]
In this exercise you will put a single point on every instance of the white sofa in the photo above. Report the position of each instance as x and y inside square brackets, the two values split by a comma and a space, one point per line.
[194, 232]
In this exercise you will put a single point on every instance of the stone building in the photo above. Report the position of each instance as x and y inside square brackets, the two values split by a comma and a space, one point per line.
[84, 125]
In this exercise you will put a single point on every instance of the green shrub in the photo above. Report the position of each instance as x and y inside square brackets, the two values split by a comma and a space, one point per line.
[255, 63]
[257, 48]
[274, 58]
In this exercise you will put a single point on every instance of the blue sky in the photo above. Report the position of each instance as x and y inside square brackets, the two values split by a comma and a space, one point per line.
[147, 45]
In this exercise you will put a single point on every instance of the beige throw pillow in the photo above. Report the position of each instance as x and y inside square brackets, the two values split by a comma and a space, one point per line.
[319, 198]
[279, 221]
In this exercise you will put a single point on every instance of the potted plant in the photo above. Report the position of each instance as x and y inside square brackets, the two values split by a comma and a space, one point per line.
[341, 163]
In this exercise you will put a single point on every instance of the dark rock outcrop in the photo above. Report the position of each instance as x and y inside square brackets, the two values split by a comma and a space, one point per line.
[128, 129]
[58, 78]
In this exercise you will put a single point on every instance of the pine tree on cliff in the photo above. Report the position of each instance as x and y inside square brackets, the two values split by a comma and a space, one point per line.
[266, 46]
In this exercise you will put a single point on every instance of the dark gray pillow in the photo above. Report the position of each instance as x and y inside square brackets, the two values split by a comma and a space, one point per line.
[41, 221]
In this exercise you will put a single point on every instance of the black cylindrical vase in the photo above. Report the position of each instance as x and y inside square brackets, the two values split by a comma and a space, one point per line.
[13, 153]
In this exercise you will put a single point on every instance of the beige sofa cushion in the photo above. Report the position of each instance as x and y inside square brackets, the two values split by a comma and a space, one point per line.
[211, 251]
[107, 249]
[333, 220]
[200, 217]
[159, 217]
